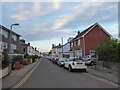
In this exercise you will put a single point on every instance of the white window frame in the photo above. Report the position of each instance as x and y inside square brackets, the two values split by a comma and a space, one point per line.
[14, 37]
[92, 52]
[78, 42]
[4, 33]
[74, 43]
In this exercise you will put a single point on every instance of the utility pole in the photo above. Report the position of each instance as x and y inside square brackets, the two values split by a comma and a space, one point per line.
[62, 46]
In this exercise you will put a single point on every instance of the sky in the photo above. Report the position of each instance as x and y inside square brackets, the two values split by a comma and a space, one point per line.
[44, 23]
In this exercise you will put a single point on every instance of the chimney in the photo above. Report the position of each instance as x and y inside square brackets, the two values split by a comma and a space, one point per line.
[78, 32]
[28, 44]
[59, 44]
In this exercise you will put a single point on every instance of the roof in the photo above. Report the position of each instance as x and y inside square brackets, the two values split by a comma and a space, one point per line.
[83, 33]
[8, 30]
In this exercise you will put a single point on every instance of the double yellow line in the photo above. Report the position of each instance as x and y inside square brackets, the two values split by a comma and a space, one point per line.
[26, 77]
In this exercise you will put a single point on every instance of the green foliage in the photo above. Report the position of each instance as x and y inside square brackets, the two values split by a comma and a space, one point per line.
[5, 60]
[26, 55]
[108, 50]
[18, 58]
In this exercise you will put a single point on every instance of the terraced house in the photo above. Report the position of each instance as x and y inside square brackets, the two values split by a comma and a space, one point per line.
[5, 40]
[86, 41]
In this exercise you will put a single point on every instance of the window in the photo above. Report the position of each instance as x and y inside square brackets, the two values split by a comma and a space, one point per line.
[23, 49]
[14, 37]
[71, 44]
[79, 42]
[4, 45]
[13, 47]
[0, 46]
[4, 33]
[74, 43]
[92, 52]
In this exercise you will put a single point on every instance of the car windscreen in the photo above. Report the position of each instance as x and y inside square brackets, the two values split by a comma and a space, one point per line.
[73, 59]
[85, 57]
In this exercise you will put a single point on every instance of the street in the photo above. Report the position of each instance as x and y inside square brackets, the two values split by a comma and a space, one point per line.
[49, 75]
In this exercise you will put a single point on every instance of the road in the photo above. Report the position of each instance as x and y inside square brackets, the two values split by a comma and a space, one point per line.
[49, 75]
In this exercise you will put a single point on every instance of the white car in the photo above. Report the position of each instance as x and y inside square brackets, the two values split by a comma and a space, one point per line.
[74, 63]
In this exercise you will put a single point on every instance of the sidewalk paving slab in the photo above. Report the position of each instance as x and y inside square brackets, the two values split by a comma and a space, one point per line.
[113, 77]
[17, 75]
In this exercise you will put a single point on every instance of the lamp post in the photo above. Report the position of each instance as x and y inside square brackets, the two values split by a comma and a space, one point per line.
[15, 24]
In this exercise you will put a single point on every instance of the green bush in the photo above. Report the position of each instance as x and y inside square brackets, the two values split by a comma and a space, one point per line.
[18, 58]
[109, 50]
[5, 60]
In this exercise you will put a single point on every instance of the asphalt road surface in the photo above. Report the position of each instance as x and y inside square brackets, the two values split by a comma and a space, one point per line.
[49, 75]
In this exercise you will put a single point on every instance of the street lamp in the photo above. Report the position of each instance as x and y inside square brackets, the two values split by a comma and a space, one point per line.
[15, 24]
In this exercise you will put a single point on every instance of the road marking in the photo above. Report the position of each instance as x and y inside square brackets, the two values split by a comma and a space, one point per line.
[26, 77]
[102, 79]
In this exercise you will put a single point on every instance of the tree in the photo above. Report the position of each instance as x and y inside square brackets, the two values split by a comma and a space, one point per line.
[108, 50]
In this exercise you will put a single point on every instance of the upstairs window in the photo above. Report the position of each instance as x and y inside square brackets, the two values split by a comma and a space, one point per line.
[74, 43]
[71, 44]
[4, 33]
[14, 37]
[79, 42]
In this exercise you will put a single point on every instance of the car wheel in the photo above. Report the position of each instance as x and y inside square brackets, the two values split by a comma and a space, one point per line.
[70, 68]
[92, 63]
[64, 67]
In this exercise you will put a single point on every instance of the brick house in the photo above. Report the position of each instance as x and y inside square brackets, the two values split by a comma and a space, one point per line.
[86, 41]
[5, 40]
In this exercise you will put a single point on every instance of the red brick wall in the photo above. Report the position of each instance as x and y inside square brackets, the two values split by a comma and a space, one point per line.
[93, 38]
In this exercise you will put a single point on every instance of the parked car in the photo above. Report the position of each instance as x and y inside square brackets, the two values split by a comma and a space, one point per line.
[61, 61]
[89, 60]
[74, 63]
[55, 60]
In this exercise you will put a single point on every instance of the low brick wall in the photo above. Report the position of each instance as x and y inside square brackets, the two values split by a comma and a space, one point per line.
[5, 71]
[109, 66]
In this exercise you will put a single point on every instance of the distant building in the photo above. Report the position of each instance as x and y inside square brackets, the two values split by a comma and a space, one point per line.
[29, 49]
[66, 49]
[86, 41]
[5, 40]
[55, 50]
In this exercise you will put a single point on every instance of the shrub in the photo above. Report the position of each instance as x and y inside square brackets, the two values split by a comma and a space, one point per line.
[109, 51]
[18, 58]
[5, 60]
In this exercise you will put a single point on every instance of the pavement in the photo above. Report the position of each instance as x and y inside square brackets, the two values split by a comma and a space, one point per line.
[111, 76]
[49, 75]
[16, 75]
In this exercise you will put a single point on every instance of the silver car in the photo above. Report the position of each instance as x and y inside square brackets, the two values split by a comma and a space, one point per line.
[61, 61]
[89, 60]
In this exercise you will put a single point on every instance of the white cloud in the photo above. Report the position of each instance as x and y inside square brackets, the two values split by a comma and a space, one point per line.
[37, 9]
[79, 10]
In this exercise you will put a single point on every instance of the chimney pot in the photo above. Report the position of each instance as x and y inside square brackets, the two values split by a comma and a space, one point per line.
[78, 32]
